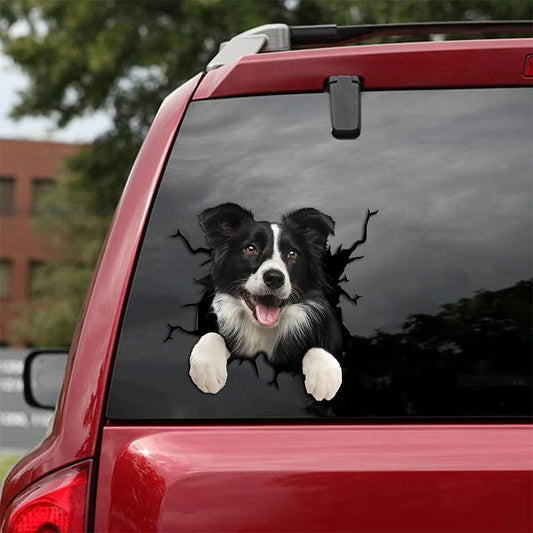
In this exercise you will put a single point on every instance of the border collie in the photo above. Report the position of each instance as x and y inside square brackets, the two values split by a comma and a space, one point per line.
[269, 297]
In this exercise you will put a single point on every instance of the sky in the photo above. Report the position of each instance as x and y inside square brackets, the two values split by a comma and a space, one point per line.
[12, 81]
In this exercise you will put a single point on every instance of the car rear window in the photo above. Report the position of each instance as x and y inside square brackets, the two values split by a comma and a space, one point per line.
[436, 314]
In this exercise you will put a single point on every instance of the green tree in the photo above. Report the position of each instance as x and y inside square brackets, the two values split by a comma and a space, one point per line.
[124, 57]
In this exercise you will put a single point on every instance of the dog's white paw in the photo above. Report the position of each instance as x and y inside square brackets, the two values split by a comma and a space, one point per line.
[323, 374]
[209, 359]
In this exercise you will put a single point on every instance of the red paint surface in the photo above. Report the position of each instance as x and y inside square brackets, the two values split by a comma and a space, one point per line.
[405, 66]
[80, 411]
[316, 478]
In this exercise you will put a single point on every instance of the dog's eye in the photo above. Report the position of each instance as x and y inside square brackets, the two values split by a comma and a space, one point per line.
[293, 254]
[251, 249]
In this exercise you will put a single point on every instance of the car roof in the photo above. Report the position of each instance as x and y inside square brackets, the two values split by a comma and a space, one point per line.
[418, 65]
[281, 37]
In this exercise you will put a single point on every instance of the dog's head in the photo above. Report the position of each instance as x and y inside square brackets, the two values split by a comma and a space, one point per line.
[267, 266]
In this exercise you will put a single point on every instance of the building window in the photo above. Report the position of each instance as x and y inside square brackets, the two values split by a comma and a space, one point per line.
[41, 187]
[7, 195]
[6, 278]
[34, 288]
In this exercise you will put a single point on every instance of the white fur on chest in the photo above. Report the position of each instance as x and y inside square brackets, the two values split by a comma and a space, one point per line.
[235, 319]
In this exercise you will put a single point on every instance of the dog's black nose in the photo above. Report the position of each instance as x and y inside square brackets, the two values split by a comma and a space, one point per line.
[273, 279]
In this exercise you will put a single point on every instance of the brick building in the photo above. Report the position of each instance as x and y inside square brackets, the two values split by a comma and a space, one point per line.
[28, 169]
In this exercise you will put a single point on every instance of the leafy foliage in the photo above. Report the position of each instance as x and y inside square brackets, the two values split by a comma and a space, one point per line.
[124, 57]
[474, 352]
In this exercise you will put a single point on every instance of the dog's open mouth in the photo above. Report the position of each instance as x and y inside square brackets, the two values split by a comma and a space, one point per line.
[266, 309]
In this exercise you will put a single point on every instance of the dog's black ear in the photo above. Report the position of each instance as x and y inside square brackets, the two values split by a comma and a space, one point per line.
[222, 222]
[313, 224]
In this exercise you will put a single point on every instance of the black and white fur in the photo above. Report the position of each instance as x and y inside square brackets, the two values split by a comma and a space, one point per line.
[269, 297]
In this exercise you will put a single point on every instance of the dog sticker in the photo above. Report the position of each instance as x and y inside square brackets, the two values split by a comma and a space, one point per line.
[273, 289]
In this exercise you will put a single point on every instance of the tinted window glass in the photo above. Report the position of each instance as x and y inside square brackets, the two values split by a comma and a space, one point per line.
[6, 278]
[441, 325]
[7, 195]
[41, 188]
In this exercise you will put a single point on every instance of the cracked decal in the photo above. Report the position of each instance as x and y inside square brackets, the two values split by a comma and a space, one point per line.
[274, 289]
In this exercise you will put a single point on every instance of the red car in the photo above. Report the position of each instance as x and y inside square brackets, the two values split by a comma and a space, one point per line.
[419, 153]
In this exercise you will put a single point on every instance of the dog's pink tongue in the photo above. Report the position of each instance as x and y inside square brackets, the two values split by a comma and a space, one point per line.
[266, 315]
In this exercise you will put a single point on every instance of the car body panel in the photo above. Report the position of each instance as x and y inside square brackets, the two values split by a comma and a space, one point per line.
[315, 478]
[78, 417]
[406, 66]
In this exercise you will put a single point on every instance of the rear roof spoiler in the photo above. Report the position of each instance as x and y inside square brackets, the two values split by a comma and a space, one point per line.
[281, 37]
